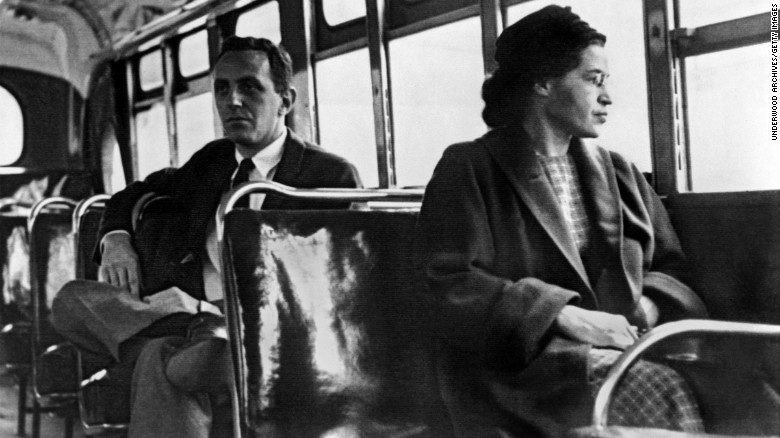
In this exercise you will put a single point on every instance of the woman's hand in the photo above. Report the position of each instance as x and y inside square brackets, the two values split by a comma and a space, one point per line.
[600, 329]
[651, 311]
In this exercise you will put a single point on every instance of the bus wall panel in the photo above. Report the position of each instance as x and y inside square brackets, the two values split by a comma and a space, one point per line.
[733, 243]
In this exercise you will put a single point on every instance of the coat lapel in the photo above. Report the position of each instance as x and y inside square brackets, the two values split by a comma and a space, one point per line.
[206, 191]
[600, 188]
[518, 161]
[288, 169]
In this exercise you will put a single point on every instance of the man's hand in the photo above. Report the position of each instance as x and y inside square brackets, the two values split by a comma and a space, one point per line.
[119, 265]
[174, 299]
[600, 329]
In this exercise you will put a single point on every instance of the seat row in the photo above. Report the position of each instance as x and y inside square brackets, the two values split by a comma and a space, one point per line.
[329, 331]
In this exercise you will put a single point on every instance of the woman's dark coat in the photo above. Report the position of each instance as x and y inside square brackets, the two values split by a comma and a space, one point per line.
[501, 264]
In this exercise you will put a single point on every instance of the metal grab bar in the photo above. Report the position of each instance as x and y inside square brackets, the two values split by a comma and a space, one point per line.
[44, 203]
[84, 205]
[664, 332]
[345, 195]
[6, 203]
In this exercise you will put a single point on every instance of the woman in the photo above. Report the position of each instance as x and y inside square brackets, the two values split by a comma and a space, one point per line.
[548, 256]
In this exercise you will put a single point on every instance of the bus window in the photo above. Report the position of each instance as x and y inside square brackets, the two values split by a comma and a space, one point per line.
[153, 149]
[345, 111]
[194, 54]
[730, 145]
[195, 118]
[11, 128]
[694, 13]
[261, 22]
[341, 11]
[151, 71]
[117, 171]
[436, 76]
[627, 130]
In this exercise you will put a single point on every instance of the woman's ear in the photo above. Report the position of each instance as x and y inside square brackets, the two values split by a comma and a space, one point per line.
[543, 87]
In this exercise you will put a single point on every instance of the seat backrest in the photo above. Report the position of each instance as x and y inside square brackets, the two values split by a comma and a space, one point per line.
[86, 268]
[333, 323]
[52, 261]
[15, 275]
[733, 243]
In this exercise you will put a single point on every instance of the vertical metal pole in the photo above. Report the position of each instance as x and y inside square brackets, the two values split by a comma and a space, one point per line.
[169, 99]
[214, 34]
[297, 39]
[663, 95]
[492, 25]
[377, 52]
[130, 152]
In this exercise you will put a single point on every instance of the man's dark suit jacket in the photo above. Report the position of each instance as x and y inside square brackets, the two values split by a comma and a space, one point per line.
[172, 255]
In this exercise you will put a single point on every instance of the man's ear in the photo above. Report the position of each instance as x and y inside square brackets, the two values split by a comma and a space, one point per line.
[288, 100]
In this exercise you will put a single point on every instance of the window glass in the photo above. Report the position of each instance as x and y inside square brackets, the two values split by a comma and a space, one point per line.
[195, 118]
[194, 54]
[345, 111]
[627, 130]
[436, 77]
[695, 13]
[117, 171]
[11, 128]
[341, 11]
[151, 70]
[729, 120]
[153, 148]
[261, 22]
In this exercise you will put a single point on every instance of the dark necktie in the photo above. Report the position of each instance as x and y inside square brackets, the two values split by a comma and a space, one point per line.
[242, 176]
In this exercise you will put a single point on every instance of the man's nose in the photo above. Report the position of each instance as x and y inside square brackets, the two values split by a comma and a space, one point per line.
[234, 97]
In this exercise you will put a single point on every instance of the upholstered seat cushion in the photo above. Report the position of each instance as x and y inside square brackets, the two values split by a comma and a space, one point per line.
[334, 323]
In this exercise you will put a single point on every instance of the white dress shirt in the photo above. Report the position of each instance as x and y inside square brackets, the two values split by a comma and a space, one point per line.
[265, 168]
[265, 162]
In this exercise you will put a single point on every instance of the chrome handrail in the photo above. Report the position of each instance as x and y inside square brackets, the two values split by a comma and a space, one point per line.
[661, 333]
[324, 194]
[78, 215]
[35, 286]
[84, 205]
[39, 206]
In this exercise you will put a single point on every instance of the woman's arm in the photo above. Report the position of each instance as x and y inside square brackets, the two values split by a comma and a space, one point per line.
[665, 282]
[500, 320]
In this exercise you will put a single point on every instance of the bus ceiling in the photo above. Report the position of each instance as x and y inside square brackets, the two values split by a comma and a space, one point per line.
[67, 38]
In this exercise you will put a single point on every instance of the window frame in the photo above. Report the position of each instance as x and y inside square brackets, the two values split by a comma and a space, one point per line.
[668, 46]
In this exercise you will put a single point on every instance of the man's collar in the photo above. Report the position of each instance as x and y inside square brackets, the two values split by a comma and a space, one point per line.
[268, 157]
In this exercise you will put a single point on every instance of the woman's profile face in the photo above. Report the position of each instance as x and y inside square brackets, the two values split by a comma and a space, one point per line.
[577, 102]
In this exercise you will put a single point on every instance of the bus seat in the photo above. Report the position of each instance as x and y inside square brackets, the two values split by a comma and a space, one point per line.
[333, 336]
[733, 243]
[102, 408]
[738, 394]
[52, 264]
[15, 304]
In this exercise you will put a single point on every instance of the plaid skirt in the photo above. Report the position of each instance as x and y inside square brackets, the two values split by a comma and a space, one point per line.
[650, 395]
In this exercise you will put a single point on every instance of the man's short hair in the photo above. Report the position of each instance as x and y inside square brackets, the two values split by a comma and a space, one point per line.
[278, 58]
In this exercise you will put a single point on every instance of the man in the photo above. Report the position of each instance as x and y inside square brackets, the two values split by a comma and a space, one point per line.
[166, 327]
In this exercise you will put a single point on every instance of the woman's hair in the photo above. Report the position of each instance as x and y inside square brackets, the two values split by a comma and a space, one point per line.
[545, 44]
